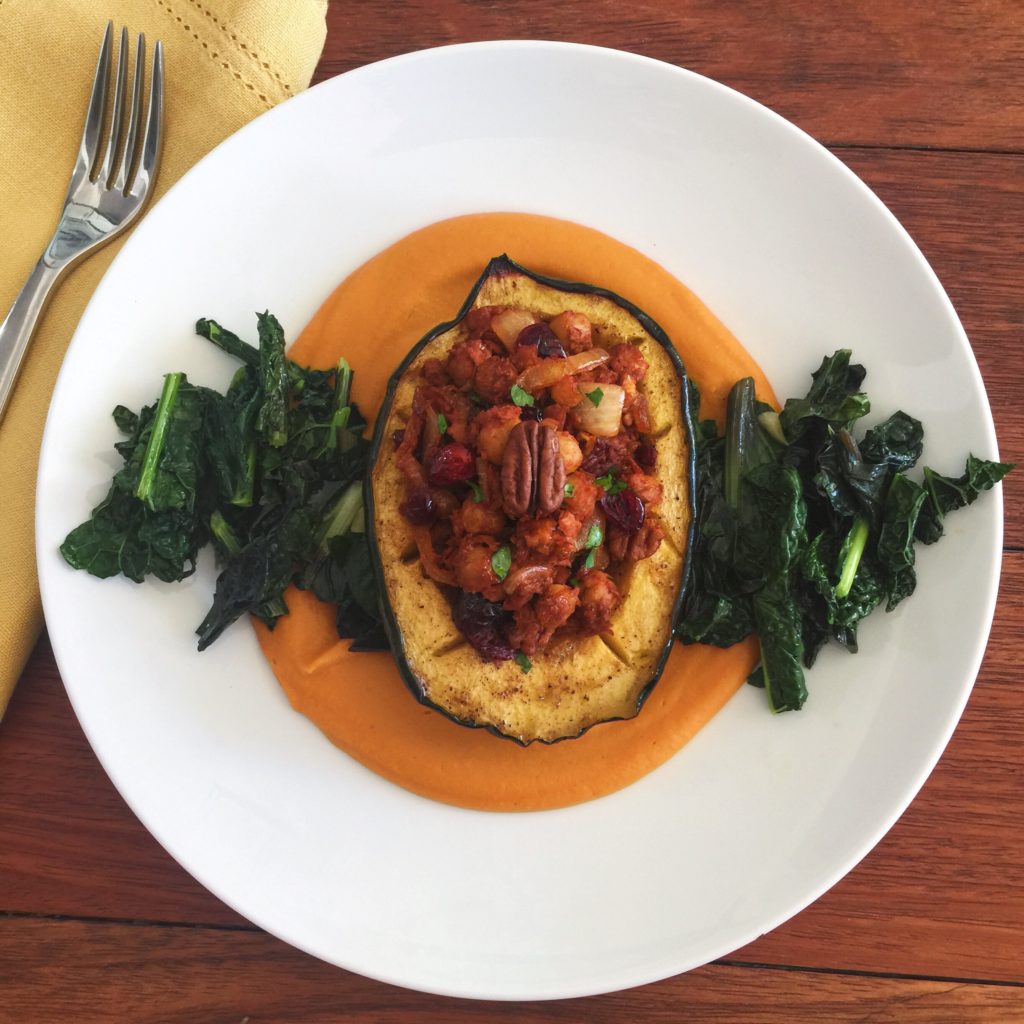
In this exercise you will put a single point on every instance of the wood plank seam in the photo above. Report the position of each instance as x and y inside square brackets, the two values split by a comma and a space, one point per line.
[721, 962]
[863, 973]
[922, 147]
[132, 922]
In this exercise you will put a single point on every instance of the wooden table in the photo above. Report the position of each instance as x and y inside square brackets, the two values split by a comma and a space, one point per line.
[925, 101]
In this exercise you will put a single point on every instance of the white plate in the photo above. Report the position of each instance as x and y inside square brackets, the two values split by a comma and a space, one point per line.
[758, 815]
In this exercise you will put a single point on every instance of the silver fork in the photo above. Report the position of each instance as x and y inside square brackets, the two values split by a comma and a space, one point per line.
[108, 190]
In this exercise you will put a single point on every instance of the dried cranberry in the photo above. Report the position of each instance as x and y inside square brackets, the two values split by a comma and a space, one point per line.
[397, 437]
[541, 337]
[625, 510]
[600, 459]
[531, 412]
[646, 457]
[531, 334]
[419, 508]
[550, 349]
[451, 464]
[483, 623]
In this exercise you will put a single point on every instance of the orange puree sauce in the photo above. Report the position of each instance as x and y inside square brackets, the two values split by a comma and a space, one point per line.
[359, 700]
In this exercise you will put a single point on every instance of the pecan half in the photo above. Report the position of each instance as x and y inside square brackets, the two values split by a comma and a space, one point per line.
[550, 472]
[518, 472]
[532, 471]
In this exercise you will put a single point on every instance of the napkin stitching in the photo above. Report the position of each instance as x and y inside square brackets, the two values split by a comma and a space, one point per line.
[215, 55]
[242, 45]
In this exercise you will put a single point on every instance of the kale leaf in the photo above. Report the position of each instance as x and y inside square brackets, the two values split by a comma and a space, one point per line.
[945, 494]
[123, 537]
[835, 397]
[153, 519]
[270, 472]
[897, 442]
[273, 415]
[715, 610]
[776, 533]
[802, 530]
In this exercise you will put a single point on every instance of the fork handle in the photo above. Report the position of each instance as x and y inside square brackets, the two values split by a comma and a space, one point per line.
[20, 323]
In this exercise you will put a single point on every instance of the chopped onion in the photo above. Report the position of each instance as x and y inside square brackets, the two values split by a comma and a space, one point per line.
[508, 323]
[551, 371]
[605, 418]
[528, 576]
[598, 520]
[431, 434]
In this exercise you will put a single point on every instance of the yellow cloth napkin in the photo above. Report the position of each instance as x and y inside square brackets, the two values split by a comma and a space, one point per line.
[226, 61]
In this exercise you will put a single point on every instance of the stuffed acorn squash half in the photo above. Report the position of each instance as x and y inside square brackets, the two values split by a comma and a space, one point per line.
[530, 505]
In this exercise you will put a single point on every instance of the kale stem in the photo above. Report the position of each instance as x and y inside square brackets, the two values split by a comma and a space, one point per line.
[341, 517]
[342, 410]
[158, 435]
[737, 437]
[228, 342]
[222, 532]
[772, 425]
[856, 541]
[246, 487]
[343, 384]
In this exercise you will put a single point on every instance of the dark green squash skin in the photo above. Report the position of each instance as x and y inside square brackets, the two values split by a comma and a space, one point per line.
[499, 266]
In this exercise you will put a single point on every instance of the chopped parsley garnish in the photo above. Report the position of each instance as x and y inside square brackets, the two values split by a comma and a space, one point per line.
[523, 661]
[595, 396]
[521, 396]
[501, 561]
[611, 483]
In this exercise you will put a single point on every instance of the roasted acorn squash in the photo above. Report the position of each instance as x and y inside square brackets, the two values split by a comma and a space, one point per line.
[579, 682]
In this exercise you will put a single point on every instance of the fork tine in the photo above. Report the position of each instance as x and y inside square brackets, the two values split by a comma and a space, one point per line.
[87, 150]
[113, 155]
[154, 123]
[134, 116]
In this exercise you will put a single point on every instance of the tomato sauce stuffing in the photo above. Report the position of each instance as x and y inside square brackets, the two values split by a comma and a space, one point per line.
[530, 477]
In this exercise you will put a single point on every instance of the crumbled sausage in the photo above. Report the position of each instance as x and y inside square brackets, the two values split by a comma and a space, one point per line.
[494, 379]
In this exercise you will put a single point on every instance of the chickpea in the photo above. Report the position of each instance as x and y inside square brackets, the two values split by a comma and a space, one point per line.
[476, 517]
[565, 392]
[493, 427]
[472, 564]
[570, 451]
[599, 599]
[573, 331]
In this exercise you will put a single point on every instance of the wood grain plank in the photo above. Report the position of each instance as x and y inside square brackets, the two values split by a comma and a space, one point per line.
[71, 847]
[54, 971]
[923, 74]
